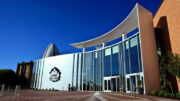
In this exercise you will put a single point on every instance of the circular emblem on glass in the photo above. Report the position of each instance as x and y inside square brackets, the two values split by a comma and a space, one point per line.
[55, 74]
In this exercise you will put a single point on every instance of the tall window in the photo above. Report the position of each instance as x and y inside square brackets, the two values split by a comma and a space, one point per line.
[88, 73]
[107, 64]
[84, 74]
[95, 71]
[99, 70]
[127, 56]
[121, 64]
[115, 63]
[134, 55]
[139, 52]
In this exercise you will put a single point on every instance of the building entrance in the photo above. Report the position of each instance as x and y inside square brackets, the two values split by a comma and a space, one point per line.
[111, 84]
[132, 82]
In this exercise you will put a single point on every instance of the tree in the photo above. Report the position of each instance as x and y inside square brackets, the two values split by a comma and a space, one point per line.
[7, 77]
[164, 73]
[169, 65]
[173, 64]
[10, 78]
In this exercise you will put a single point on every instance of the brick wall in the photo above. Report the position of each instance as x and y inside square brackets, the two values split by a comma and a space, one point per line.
[171, 10]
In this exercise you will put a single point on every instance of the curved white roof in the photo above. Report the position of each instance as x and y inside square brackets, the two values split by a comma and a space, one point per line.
[127, 25]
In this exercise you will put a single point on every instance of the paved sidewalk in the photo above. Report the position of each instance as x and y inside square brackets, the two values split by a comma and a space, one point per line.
[127, 97]
[31, 95]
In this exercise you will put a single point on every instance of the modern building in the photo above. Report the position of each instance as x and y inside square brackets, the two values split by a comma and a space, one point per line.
[108, 68]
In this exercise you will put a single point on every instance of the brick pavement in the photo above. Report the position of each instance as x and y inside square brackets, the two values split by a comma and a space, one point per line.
[32, 95]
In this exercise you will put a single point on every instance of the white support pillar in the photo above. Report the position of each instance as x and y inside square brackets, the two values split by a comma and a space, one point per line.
[103, 44]
[84, 49]
[123, 46]
[83, 67]
[123, 37]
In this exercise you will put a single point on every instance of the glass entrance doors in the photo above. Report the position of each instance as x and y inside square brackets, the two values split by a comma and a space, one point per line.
[115, 84]
[107, 84]
[132, 82]
[111, 84]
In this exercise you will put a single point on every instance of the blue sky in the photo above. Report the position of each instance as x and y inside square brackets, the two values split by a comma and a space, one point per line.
[28, 26]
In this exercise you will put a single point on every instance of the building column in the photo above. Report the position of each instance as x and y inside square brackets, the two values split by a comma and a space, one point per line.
[124, 80]
[123, 37]
[83, 49]
[83, 66]
[103, 44]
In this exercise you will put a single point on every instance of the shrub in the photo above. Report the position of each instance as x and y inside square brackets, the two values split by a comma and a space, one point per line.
[166, 94]
[154, 92]
[171, 95]
[178, 94]
[161, 93]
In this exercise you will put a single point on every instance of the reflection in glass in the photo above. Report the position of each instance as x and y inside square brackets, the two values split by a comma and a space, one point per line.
[113, 82]
[109, 85]
[134, 55]
[127, 56]
[115, 63]
[133, 83]
[105, 84]
[128, 84]
[107, 64]
[118, 60]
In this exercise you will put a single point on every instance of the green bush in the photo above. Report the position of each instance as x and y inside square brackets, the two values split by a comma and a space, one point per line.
[161, 93]
[154, 92]
[178, 94]
[166, 94]
[171, 95]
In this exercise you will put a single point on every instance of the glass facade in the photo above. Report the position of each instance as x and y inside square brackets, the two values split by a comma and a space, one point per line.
[119, 60]
[35, 75]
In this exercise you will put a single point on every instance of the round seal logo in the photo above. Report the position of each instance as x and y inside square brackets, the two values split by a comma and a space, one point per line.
[55, 74]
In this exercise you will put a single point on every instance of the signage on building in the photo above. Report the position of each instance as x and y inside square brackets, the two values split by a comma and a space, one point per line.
[55, 74]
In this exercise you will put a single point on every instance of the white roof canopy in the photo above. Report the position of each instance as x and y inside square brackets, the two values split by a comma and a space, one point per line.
[127, 25]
